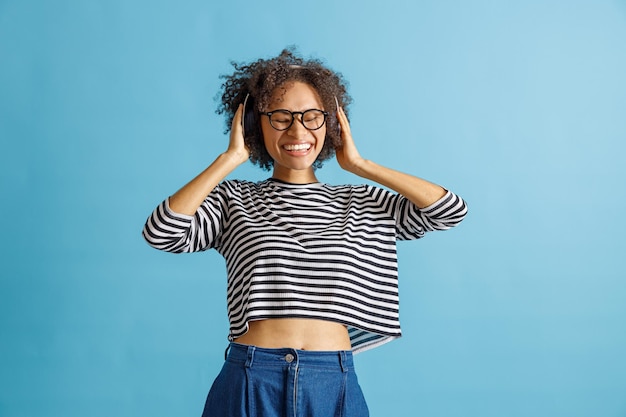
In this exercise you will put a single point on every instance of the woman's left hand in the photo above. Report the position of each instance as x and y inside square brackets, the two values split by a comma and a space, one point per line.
[421, 192]
[348, 156]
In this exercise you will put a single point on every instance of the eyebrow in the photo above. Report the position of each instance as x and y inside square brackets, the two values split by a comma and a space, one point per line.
[293, 112]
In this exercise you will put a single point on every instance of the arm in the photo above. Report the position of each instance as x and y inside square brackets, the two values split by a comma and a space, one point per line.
[420, 192]
[189, 197]
[180, 223]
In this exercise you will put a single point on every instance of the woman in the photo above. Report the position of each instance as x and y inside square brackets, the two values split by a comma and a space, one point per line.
[312, 270]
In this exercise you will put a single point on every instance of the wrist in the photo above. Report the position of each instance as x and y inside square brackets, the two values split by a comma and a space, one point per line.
[361, 167]
[234, 157]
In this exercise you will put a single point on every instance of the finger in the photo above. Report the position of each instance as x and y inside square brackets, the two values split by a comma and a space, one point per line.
[236, 128]
[346, 134]
[238, 116]
[343, 121]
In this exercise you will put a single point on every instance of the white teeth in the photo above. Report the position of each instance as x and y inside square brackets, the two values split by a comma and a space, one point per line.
[298, 147]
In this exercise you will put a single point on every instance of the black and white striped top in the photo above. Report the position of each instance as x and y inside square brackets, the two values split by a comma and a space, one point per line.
[306, 250]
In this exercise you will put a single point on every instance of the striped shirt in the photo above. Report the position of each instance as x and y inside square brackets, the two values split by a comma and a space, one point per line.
[306, 250]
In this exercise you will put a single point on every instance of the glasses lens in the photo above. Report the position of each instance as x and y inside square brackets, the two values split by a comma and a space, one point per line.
[281, 119]
[313, 119]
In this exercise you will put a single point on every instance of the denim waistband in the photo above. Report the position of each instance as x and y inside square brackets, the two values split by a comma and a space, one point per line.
[253, 355]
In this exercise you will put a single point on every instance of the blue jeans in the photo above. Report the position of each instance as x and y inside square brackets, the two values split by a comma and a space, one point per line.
[259, 382]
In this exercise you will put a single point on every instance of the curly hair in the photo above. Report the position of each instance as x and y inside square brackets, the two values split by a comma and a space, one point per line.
[258, 80]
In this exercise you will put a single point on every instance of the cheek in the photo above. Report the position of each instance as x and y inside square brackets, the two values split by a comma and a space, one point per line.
[320, 136]
[269, 136]
[270, 139]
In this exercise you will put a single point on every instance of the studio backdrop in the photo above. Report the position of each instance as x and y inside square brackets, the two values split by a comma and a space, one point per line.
[107, 107]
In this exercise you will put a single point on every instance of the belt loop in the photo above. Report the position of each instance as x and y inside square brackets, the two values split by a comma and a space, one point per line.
[342, 361]
[226, 352]
[250, 359]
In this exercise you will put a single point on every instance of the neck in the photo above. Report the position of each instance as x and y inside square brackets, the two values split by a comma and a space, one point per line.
[303, 176]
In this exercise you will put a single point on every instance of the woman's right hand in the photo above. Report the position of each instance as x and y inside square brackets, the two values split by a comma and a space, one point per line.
[237, 148]
[188, 199]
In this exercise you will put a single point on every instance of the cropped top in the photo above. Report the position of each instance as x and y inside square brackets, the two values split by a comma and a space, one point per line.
[306, 250]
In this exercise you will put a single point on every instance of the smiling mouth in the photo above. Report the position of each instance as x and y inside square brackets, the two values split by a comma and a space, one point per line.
[297, 147]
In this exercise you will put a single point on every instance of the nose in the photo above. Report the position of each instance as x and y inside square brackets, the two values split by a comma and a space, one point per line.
[297, 128]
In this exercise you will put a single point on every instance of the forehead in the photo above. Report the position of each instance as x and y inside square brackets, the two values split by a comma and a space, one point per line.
[296, 95]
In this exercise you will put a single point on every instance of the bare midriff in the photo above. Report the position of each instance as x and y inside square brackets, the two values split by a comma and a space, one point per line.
[302, 334]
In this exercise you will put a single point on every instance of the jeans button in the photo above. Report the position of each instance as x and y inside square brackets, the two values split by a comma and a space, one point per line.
[289, 358]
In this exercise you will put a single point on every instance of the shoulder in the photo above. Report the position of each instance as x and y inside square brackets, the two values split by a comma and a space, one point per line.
[348, 189]
[236, 185]
[362, 190]
[362, 194]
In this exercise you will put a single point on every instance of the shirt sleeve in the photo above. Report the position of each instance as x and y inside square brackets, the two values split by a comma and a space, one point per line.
[413, 222]
[177, 233]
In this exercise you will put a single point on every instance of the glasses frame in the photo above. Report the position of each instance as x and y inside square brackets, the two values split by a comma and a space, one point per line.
[293, 117]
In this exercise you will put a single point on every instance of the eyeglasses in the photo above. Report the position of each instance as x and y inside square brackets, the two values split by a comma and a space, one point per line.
[311, 119]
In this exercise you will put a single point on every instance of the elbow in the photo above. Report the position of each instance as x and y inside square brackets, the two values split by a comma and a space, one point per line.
[458, 215]
[163, 241]
[450, 215]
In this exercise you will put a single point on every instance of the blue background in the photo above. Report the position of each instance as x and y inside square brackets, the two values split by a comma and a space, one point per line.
[107, 107]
